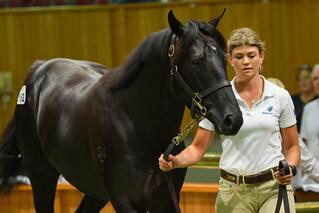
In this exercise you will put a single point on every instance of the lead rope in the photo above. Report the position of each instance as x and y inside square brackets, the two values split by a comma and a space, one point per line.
[282, 194]
[182, 134]
[175, 141]
[198, 112]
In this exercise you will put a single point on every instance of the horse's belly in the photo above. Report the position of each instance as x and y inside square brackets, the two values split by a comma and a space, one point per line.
[79, 169]
[93, 186]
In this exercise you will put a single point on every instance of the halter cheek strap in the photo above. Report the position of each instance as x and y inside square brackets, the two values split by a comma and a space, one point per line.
[196, 107]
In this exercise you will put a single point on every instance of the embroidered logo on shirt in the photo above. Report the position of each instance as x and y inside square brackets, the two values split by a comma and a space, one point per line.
[268, 110]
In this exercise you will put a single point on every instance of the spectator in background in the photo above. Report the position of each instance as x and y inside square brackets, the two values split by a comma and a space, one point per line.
[309, 130]
[306, 92]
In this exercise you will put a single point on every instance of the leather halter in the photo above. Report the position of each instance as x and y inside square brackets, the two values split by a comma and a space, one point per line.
[196, 108]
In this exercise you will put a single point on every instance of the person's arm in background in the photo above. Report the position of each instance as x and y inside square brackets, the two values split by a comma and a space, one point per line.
[308, 163]
[191, 154]
[291, 151]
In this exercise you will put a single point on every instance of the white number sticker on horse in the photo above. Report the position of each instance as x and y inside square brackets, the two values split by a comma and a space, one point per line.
[22, 96]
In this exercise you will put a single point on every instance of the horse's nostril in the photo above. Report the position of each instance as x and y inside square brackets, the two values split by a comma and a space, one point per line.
[228, 120]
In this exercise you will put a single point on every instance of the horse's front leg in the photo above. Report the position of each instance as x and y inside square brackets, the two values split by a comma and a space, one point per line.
[167, 195]
[123, 204]
[90, 205]
[163, 200]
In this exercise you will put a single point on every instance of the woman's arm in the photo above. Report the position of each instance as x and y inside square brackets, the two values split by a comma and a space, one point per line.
[291, 151]
[191, 154]
[291, 145]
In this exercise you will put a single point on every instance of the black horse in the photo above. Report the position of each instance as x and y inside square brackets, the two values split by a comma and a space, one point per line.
[104, 130]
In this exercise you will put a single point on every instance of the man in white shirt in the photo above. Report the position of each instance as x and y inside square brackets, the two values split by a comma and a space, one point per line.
[309, 132]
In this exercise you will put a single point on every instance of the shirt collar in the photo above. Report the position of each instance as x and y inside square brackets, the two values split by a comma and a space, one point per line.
[267, 92]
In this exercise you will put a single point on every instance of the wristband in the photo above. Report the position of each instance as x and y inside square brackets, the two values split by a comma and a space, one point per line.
[293, 169]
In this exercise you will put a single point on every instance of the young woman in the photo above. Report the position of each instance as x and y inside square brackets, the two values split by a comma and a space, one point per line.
[249, 179]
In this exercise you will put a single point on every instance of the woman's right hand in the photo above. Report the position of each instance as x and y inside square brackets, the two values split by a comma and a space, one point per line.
[167, 165]
[191, 154]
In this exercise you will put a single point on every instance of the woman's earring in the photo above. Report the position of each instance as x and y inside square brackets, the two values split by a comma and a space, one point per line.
[260, 68]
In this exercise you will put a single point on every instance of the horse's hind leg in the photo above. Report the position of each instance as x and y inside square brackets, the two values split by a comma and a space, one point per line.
[90, 205]
[43, 176]
[43, 181]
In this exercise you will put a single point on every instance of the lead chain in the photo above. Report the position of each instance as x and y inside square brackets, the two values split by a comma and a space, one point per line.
[186, 130]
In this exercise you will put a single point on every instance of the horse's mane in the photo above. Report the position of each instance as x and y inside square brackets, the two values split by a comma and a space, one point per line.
[210, 30]
[156, 45]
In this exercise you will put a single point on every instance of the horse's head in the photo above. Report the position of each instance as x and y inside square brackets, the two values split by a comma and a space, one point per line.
[198, 63]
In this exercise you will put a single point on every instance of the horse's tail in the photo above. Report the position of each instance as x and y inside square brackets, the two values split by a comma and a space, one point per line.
[10, 160]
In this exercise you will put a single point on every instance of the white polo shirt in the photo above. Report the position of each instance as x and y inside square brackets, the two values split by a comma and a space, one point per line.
[257, 145]
[310, 130]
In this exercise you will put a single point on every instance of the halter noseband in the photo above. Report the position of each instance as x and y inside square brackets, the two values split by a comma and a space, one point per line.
[196, 108]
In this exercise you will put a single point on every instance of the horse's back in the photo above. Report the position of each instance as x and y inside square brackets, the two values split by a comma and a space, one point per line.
[71, 68]
[60, 74]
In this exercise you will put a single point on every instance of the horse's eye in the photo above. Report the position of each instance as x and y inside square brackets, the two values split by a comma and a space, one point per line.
[196, 63]
[214, 49]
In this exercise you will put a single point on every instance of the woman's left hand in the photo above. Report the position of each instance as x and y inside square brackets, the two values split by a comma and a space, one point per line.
[284, 179]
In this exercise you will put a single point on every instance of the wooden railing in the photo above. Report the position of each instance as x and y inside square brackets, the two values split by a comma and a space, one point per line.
[195, 198]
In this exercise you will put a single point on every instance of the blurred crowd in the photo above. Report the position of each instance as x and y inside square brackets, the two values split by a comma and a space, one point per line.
[35, 3]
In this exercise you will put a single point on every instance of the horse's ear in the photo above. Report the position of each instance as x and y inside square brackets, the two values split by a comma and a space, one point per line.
[216, 20]
[175, 25]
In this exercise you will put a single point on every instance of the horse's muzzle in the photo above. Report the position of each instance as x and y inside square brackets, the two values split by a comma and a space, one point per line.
[229, 124]
[232, 123]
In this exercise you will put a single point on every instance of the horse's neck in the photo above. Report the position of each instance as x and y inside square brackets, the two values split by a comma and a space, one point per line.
[150, 93]
[152, 110]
